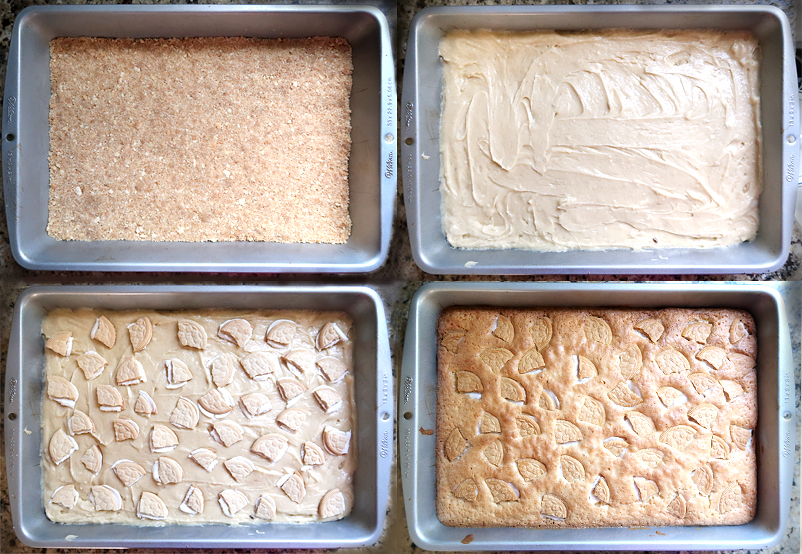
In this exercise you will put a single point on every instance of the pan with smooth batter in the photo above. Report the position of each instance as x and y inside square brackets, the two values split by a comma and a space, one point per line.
[615, 139]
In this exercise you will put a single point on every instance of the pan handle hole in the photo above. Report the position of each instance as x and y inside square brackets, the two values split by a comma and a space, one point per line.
[12, 416]
[407, 415]
[787, 416]
[385, 416]
[9, 137]
[409, 141]
[389, 137]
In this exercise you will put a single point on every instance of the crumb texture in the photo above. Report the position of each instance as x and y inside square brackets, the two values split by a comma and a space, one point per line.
[200, 139]
[596, 418]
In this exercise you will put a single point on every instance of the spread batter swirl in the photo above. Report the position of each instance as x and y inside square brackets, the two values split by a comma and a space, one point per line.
[614, 139]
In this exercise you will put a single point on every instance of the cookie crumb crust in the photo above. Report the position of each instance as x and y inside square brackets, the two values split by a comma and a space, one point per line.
[200, 139]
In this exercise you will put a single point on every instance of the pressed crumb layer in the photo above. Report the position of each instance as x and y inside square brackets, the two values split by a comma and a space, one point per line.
[200, 139]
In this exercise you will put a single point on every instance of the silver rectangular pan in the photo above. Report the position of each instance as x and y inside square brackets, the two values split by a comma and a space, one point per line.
[374, 404]
[775, 430]
[25, 140]
[420, 140]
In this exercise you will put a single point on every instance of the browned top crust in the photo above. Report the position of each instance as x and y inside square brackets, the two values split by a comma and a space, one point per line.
[595, 418]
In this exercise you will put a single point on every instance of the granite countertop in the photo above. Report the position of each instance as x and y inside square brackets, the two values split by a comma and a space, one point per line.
[396, 281]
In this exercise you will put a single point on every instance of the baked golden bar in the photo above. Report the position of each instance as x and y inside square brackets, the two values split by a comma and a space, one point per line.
[595, 418]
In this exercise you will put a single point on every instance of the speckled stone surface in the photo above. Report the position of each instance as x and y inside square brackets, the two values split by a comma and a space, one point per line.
[396, 282]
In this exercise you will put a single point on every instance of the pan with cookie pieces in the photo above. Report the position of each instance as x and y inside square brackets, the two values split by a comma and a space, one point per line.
[625, 420]
[191, 390]
[159, 441]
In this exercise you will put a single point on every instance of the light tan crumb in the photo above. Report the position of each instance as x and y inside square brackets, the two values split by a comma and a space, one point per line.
[200, 139]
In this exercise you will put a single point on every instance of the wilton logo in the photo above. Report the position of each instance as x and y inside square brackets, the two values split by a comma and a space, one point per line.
[389, 166]
[407, 388]
[789, 171]
[407, 115]
[11, 108]
[385, 445]
[787, 445]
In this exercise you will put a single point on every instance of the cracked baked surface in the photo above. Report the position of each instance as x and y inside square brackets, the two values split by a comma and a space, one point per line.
[595, 418]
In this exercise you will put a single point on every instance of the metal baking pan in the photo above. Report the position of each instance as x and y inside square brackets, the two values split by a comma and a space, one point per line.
[775, 430]
[420, 140]
[374, 401]
[25, 140]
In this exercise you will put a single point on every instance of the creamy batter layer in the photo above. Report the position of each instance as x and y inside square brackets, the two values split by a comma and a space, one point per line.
[615, 139]
[207, 375]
